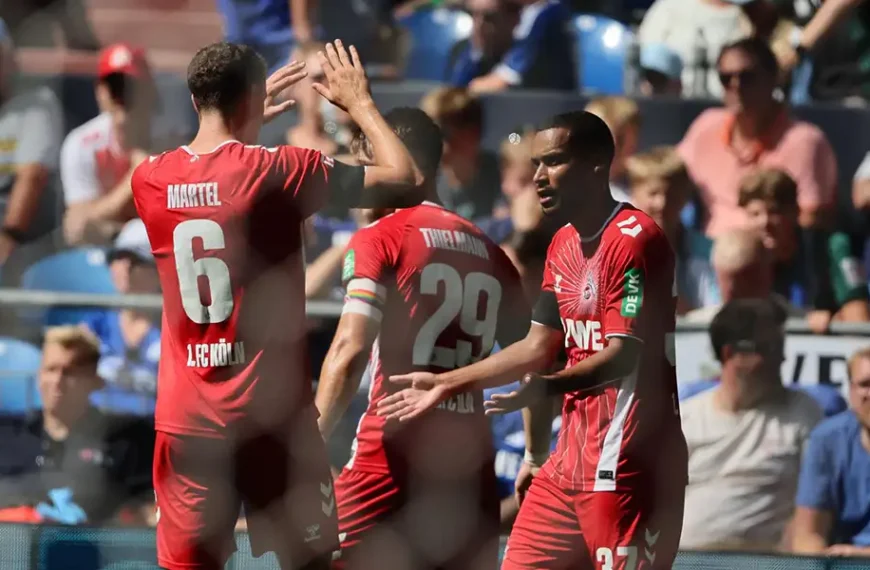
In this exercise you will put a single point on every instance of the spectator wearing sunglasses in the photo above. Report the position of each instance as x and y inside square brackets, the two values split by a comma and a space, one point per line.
[754, 130]
[833, 499]
[745, 435]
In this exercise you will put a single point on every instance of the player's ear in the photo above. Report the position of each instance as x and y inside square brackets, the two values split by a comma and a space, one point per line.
[727, 353]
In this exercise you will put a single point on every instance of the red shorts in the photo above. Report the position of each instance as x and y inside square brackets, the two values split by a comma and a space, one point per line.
[606, 530]
[202, 483]
[384, 524]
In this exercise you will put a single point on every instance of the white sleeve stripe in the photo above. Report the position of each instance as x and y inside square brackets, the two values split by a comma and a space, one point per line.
[362, 308]
[370, 285]
[534, 322]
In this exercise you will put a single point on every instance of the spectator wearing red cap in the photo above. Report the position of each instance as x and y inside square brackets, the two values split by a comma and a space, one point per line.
[98, 158]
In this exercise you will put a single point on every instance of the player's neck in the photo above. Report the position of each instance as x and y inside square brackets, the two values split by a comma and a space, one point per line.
[214, 131]
[590, 221]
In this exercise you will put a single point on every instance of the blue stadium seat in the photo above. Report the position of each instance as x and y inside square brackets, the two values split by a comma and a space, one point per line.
[433, 32]
[601, 43]
[81, 270]
[19, 363]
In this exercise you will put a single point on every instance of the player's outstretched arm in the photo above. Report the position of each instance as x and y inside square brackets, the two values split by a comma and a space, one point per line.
[426, 390]
[617, 360]
[343, 368]
[391, 181]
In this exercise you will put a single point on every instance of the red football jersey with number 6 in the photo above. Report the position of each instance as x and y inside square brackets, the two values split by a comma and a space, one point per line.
[445, 294]
[225, 229]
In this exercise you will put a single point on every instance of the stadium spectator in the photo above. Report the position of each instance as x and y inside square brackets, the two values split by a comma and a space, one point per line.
[835, 35]
[70, 463]
[541, 54]
[129, 338]
[622, 115]
[744, 270]
[833, 500]
[661, 71]
[682, 25]
[754, 130]
[34, 23]
[812, 269]
[98, 158]
[745, 436]
[518, 209]
[272, 27]
[493, 23]
[31, 126]
[470, 182]
[659, 185]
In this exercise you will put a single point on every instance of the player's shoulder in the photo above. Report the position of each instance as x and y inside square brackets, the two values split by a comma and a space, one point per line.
[90, 135]
[153, 162]
[802, 409]
[381, 228]
[632, 228]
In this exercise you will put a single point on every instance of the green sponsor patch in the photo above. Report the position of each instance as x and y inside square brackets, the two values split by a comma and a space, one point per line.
[632, 293]
[348, 266]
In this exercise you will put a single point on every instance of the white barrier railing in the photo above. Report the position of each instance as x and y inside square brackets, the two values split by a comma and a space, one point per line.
[30, 298]
[809, 358]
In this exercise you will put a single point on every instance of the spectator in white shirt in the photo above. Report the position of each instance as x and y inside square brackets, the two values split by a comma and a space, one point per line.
[31, 127]
[745, 436]
[98, 158]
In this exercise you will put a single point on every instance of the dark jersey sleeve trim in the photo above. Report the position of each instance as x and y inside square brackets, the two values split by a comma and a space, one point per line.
[546, 311]
[346, 184]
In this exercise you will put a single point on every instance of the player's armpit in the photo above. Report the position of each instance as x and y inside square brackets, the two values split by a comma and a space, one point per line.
[345, 364]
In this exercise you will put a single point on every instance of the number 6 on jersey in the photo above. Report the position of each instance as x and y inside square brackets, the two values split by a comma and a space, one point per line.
[213, 269]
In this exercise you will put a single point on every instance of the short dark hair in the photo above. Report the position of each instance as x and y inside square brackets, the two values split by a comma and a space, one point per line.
[757, 49]
[220, 75]
[417, 131]
[588, 135]
[739, 320]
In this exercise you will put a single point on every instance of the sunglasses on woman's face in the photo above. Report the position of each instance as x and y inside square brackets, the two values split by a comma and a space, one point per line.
[746, 77]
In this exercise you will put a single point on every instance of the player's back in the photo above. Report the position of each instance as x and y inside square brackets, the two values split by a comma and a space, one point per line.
[449, 292]
[225, 228]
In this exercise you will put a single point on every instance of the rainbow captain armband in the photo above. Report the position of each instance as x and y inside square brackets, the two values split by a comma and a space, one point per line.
[365, 297]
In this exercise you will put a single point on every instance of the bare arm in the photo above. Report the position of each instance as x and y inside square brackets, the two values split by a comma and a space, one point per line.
[618, 359]
[320, 273]
[343, 368]
[831, 13]
[391, 181]
[301, 12]
[809, 531]
[30, 182]
[534, 353]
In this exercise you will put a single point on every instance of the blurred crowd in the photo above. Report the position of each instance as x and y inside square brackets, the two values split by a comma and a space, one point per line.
[748, 199]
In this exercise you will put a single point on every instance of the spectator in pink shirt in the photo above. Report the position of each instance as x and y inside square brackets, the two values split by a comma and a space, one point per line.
[751, 131]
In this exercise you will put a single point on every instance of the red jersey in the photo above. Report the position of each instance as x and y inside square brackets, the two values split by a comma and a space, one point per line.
[444, 293]
[226, 229]
[619, 282]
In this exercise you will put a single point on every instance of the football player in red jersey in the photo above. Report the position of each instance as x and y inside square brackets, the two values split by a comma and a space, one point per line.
[426, 290]
[611, 494]
[235, 415]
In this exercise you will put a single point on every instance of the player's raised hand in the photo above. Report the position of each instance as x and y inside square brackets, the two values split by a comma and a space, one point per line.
[348, 86]
[530, 391]
[278, 82]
